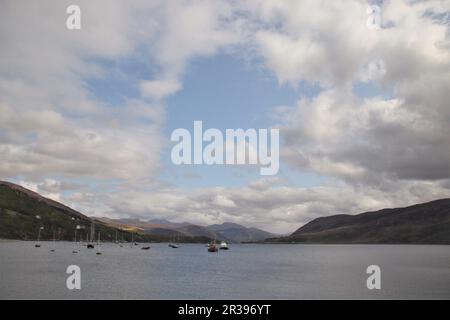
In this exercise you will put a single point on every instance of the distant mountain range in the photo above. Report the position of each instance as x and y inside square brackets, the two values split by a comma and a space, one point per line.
[230, 232]
[23, 212]
[426, 223]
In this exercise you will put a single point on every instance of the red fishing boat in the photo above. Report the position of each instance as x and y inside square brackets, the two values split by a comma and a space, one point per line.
[212, 247]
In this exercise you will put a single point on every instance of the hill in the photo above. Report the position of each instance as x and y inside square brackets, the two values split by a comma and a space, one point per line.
[23, 212]
[426, 223]
[230, 232]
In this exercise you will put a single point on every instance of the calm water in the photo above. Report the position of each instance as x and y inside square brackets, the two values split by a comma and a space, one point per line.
[243, 272]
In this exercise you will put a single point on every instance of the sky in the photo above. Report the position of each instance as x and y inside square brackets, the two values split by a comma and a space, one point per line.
[86, 115]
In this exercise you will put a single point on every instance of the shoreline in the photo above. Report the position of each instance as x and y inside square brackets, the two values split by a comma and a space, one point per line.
[9, 240]
[260, 243]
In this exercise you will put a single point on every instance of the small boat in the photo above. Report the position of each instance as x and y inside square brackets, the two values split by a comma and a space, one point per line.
[98, 245]
[145, 248]
[75, 250]
[212, 247]
[224, 245]
[38, 244]
[173, 243]
[54, 242]
[90, 244]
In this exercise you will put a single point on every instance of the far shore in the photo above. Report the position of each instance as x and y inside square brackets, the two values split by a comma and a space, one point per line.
[253, 242]
[9, 240]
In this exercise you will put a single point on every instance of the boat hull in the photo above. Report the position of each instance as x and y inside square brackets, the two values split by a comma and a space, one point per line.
[212, 249]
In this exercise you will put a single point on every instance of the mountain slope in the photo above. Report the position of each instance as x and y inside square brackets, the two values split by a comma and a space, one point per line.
[197, 231]
[230, 232]
[238, 233]
[427, 223]
[23, 212]
[182, 232]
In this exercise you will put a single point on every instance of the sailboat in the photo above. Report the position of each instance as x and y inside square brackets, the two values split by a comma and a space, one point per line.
[172, 244]
[75, 250]
[98, 245]
[54, 242]
[38, 244]
[90, 245]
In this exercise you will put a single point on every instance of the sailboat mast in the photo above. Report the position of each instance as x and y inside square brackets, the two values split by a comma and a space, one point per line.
[98, 244]
[92, 232]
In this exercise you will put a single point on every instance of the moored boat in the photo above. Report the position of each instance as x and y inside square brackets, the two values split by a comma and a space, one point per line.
[212, 247]
[38, 244]
[75, 249]
[173, 243]
[90, 244]
[54, 242]
[224, 245]
[98, 245]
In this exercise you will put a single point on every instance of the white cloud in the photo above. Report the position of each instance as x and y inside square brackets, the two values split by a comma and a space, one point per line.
[223, 201]
[52, 124]
[158, 89]
[315, 41]
[400, 137]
